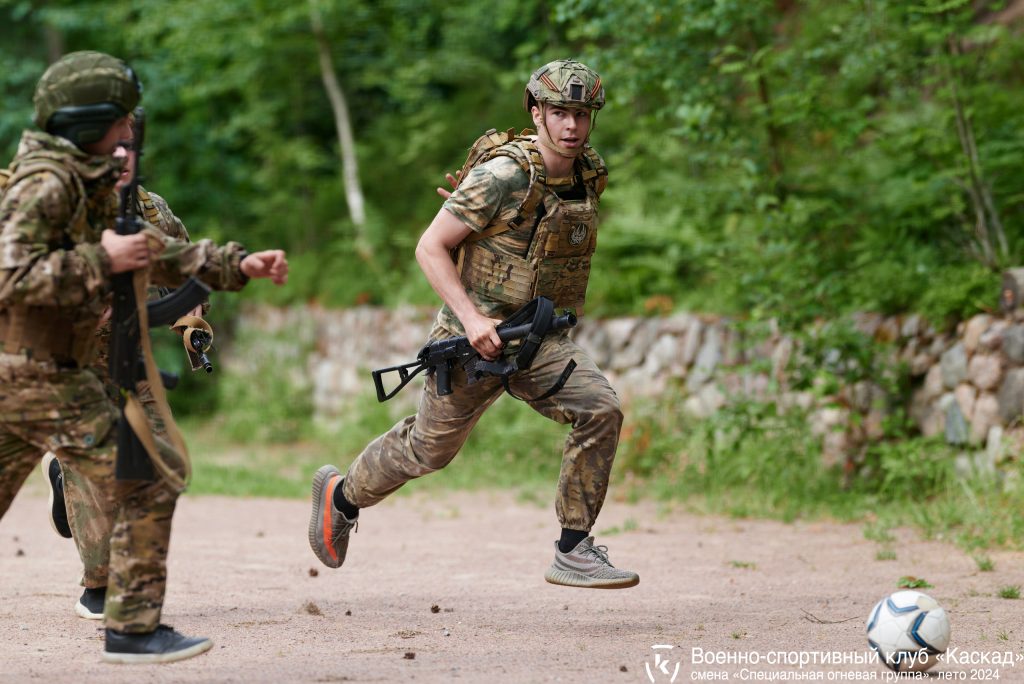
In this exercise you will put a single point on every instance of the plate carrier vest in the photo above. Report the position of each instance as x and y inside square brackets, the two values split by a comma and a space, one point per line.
[557, 263]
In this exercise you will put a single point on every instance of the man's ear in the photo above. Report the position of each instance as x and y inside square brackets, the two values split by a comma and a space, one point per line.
[538, 116]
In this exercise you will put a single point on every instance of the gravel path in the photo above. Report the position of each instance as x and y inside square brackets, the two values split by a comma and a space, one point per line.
[452, 589]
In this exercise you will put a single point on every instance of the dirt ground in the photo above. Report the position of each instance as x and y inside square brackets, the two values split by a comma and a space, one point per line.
[452, 589]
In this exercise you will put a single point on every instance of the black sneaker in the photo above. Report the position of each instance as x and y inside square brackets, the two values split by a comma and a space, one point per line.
[161, 646]
[58, 509]
[90, 606]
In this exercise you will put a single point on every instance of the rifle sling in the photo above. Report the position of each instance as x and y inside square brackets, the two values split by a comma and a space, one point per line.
[539, 313]
[133, 409]
[541, 310]
[554, 389]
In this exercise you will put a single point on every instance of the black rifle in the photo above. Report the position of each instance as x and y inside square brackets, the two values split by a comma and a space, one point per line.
[133, 462]
[531, 323]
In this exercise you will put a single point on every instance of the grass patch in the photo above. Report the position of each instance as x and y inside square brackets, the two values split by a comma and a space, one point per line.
[984, 563]
[885, 555]
[511, 447]
[879, 532]
[1009, 592]
[745, 565]
[629, 525]
[908, 582]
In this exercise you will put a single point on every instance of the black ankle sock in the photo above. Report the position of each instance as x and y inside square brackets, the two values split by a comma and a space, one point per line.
[570, 539]
[347, 509]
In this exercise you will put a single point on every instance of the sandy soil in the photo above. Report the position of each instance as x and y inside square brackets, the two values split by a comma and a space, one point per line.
[242, 573]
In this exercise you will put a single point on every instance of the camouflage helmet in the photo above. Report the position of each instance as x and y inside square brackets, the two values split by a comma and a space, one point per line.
[565, 83]
[83, 93]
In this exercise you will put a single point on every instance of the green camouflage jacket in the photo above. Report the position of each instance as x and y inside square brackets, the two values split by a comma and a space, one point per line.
[50, 254]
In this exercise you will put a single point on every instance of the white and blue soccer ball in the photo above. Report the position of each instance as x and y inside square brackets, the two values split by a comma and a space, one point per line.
[908, 630]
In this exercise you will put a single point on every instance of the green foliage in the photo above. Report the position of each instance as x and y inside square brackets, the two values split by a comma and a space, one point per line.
[751, 459]
[770, 159]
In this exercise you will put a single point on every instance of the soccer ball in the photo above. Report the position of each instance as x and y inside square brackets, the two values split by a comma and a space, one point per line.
[908, 630]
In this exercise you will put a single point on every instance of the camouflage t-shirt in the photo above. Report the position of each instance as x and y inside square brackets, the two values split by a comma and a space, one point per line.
[491, 193]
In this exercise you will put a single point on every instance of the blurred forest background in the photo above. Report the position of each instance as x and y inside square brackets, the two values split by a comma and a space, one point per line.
[791, 160]
[769, 158]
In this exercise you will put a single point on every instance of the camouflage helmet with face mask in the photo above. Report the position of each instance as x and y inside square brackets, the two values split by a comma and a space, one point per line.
[83, 93]
[565, 83]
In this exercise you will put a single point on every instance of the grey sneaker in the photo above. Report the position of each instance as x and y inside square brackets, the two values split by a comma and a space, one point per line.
[588, 566]
[328, 527]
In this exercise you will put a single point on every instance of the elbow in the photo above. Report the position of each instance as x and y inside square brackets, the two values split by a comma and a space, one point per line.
[423, 252]
[420, 253]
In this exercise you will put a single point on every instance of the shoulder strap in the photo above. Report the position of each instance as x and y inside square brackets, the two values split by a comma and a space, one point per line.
[595, 177]
[523, 150]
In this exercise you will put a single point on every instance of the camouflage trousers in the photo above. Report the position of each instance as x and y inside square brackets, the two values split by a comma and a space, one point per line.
[429, 440]
[67, 411]
[91, 523]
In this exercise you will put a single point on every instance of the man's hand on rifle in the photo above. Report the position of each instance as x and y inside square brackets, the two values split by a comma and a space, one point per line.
[126, 252]
[482, 336]
[267, 264]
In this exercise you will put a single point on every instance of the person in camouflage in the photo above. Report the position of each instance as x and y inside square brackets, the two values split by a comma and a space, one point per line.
[522, 224]
[69, 500]
[57, 256]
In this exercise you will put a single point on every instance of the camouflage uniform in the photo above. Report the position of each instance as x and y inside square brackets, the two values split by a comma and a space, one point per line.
[429, 440]
[55, 281]
[91, 523]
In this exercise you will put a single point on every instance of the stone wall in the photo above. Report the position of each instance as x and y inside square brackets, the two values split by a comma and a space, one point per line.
[969, 383]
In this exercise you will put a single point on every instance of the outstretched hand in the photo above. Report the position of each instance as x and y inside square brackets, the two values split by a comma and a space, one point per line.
[452, 181]
[270, 263]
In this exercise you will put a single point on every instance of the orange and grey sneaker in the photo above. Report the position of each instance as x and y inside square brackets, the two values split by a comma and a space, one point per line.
[588, 566]
[328, 527]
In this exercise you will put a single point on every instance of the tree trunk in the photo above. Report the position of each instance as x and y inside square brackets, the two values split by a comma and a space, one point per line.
[349, 164]
[987, 221]
[54, 43]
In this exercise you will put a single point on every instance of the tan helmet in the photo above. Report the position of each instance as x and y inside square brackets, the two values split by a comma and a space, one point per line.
[565, 83]
[83, 93]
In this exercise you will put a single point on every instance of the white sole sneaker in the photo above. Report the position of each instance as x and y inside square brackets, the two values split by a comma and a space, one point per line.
[568, 578]
[172, 656]
[84, 612]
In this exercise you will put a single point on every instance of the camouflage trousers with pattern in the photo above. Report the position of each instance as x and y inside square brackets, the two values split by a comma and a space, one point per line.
[429, 440]
[67, 411]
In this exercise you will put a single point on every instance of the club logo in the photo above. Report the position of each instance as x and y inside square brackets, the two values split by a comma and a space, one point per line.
[578, 234]
[661, 670]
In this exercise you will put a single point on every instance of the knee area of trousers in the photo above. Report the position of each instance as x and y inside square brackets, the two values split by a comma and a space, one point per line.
[609, 409]
[431, 457]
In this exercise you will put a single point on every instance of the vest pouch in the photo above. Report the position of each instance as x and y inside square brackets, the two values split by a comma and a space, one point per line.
[496, 276]
[563, 280]
[571, 231]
